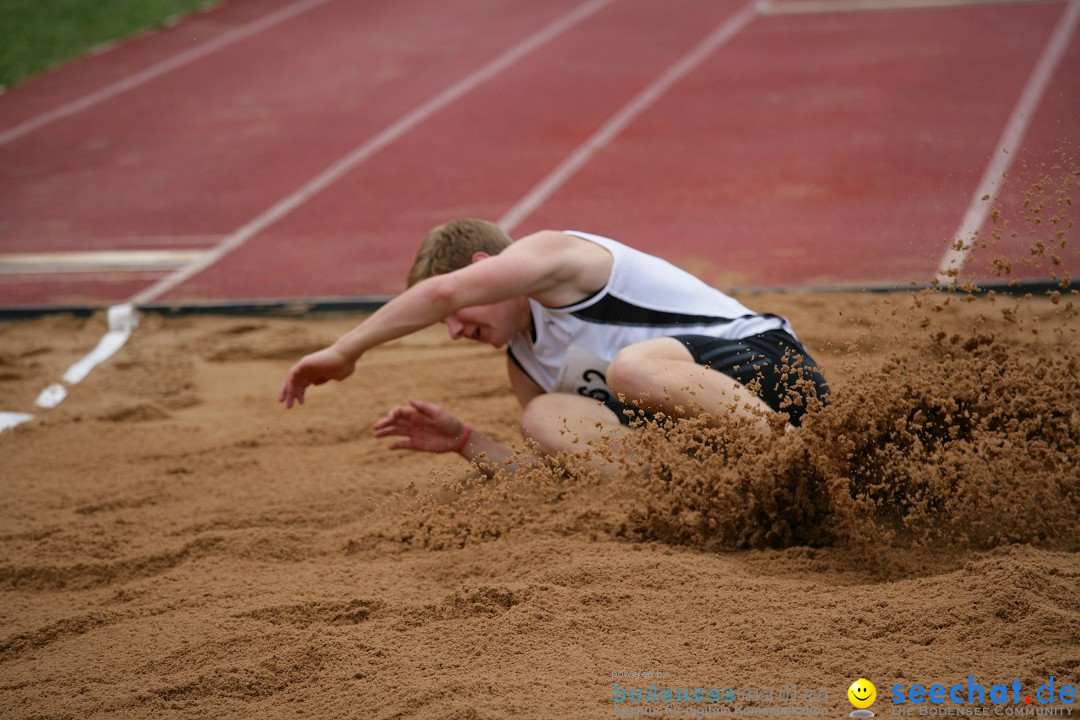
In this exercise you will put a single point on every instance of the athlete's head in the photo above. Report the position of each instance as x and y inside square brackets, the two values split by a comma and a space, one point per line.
[455, 245]
[492, 324]
[451, 246]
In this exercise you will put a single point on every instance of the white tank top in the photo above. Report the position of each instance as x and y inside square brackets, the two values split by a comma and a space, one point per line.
[645, 297]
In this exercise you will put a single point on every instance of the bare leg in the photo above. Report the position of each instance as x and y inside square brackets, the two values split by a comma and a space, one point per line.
[561, 421]
[660, 375]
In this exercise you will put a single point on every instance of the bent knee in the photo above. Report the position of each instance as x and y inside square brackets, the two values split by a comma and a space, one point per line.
[634, 369]
[626, 377]
[543, 421]
[559, 421]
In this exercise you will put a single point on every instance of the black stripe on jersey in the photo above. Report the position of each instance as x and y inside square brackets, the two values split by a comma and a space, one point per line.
[610, 310]
[582, 300]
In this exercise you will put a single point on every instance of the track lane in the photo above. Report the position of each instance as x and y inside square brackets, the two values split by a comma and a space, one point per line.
[477, 158]
[202, 150]
[810, 167]
[114, 62]
[1042, 174]
[765, 167]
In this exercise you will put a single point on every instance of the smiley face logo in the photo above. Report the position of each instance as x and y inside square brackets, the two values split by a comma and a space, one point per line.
[862, 693]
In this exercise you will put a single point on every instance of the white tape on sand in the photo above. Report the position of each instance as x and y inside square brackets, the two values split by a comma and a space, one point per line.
[11, 419]
[122, 322]
[51, 396]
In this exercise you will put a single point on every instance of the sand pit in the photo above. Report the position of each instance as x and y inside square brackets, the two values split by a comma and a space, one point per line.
[175, 544]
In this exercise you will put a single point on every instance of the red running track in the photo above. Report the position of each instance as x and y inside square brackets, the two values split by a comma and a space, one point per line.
[816, 148]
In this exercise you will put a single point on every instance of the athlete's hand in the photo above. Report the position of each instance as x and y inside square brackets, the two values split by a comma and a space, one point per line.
[424, 426]
[314, 369]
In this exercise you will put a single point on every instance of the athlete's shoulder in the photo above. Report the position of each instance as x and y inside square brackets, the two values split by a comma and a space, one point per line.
[548, 240]
[577, 266]
[556, 243]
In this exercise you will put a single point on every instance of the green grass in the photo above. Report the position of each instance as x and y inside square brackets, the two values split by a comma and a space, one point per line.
[38, 34]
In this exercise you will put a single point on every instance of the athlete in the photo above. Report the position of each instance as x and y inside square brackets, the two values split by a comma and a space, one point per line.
[598, 335]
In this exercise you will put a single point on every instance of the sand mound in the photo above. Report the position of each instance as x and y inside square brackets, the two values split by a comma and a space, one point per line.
[225, 557]
[260, 341]
[135, 412]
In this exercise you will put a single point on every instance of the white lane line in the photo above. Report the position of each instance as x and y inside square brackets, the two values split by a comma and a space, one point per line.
[812, 7]
[62, 278]
[94, 261]
[618, 122]
[1008, 146]
[368, 149]
[174, 241]
[158, 69]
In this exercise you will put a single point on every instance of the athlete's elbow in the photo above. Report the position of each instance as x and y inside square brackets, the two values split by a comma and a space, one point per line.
[442, 292]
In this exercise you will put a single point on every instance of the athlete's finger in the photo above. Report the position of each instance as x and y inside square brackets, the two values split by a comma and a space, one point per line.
[429, 409]
[295, 383]
[392, 429]
[393, 416]
[287, 388]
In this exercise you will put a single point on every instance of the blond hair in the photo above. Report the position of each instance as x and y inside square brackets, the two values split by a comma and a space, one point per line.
[451, 246]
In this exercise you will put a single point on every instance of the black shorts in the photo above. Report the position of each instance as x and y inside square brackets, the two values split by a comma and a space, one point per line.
[773, 364]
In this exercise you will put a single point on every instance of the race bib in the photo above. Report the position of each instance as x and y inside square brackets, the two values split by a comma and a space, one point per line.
[583, 373]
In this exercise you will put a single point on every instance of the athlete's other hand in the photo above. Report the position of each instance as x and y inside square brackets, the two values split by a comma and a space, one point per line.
[423, 426]
[314, 369]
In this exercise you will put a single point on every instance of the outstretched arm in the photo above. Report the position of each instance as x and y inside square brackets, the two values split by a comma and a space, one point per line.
[427, 427]
[550, 266]
[315, 369]
[423, 304]
[555, 268]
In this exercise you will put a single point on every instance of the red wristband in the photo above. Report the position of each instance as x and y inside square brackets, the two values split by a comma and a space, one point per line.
[465, 440]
